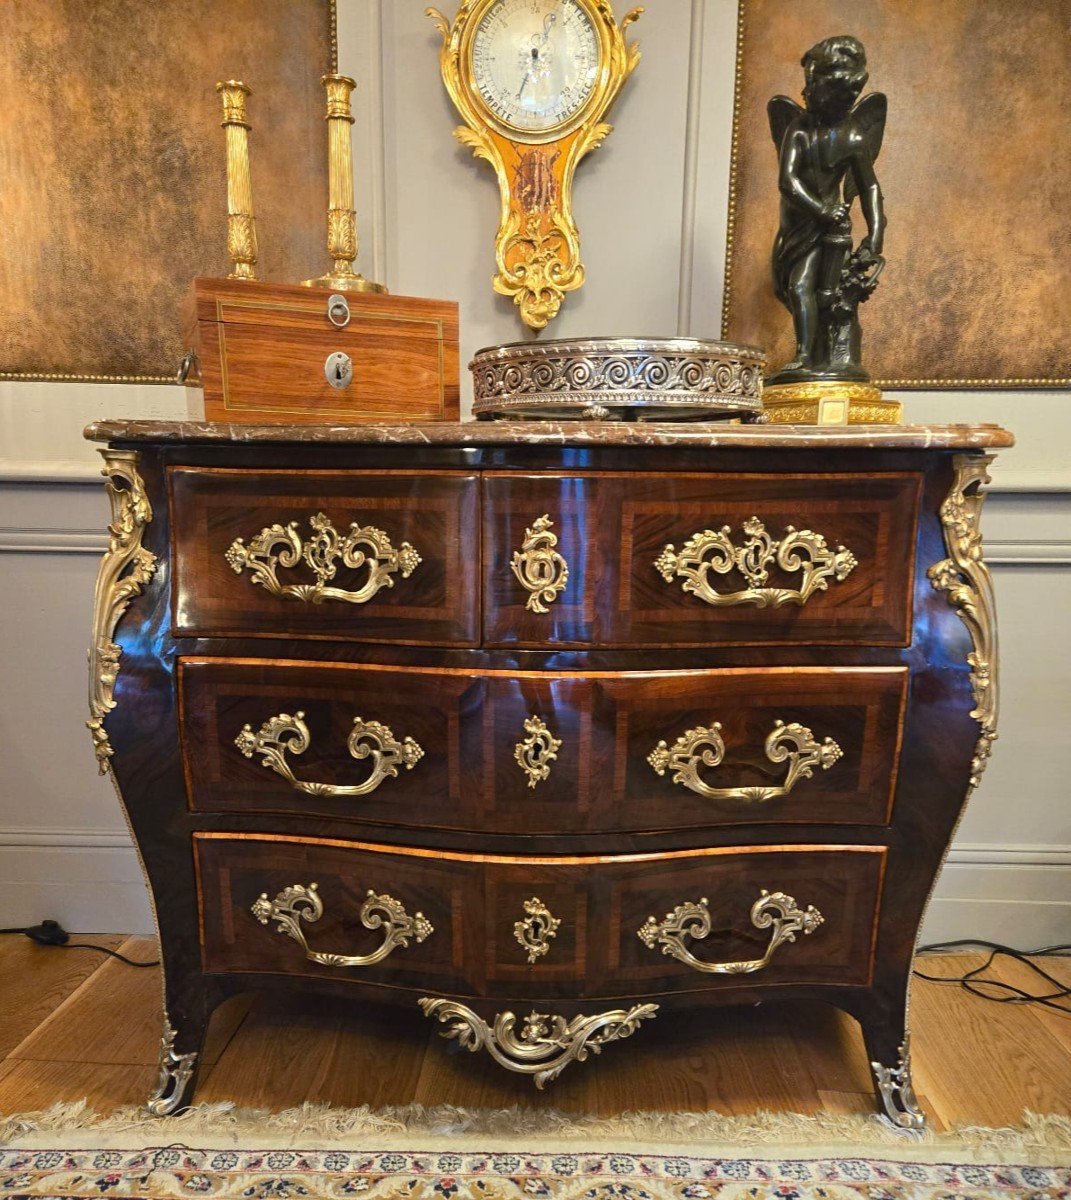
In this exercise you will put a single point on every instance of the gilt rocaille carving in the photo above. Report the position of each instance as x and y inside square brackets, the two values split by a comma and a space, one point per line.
[174, 1072]
[705, 747]
[539, 568]
[897, 1091]
[299, 903]
[124, 571]
[969, 585]
[283, 734]
[797, 550]
[545, 1045]
[537, 928]
[773, 910]
[324, 551]
[536, 751]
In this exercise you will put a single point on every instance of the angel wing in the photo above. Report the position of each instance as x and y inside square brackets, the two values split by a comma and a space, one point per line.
[869, 117]
[782, 112]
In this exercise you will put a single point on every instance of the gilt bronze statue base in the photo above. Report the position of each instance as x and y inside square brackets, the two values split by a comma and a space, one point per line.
[829, 402]
[344, 283]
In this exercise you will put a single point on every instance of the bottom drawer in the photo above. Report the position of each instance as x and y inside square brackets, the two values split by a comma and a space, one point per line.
[480, 925]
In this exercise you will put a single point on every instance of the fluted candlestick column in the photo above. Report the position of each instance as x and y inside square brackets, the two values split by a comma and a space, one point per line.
[341, 215]
[241, 225]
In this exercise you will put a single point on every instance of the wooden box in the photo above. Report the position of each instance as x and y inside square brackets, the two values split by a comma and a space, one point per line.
[260, 350]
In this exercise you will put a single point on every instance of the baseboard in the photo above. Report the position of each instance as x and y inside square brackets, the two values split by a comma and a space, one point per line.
[1022, 924]
[1019, 896]
[53, 541]
[1028, 554]
[90, 881]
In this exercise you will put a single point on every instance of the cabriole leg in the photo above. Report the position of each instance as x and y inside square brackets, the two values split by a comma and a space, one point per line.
[889, 1053]
[177, 1068]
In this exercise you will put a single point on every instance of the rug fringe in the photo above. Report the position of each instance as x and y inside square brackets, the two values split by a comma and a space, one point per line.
[321, 1125]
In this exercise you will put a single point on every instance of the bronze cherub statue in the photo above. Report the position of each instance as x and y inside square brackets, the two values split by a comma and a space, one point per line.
[826, 154]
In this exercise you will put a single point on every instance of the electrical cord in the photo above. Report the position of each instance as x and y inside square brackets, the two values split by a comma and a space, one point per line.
[51, 933]
[1006, 993]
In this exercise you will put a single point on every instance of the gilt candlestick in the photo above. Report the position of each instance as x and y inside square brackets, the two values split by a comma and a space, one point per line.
[241, 225]
[341, 215]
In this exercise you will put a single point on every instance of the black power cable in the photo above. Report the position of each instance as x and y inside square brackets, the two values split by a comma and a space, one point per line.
[1004, 993]
[51, 933]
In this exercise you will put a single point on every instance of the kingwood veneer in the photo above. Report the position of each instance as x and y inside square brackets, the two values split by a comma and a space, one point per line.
[601, 721]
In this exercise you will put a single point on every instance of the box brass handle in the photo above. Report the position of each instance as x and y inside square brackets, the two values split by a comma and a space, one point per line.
[286, 733]
[325, 551]
[299, 903]
[772, 910]
[338, 311]
[714, 551]
[189, 369]
[705, 747]
[539, 568]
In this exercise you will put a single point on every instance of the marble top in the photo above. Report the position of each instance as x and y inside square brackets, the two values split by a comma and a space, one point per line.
[712, 435]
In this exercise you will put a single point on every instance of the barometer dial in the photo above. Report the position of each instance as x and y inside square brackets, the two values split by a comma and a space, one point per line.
[535, 63]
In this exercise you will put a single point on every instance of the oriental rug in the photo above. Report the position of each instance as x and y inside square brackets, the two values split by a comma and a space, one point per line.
[448, 1154]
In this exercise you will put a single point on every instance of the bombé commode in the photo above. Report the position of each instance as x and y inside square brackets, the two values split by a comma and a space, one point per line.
[542, 731]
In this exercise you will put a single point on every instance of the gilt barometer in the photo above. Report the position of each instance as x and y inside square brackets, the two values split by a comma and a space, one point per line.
[533, 81]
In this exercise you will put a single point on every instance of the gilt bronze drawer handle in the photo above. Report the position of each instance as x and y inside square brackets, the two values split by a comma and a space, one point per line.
[541, 570]
[325, 551]
[537, 751]
[299, 903]
[284, 733]
[799, 550]
[537, 928]
[545, 1045]
[705, 747]
[772, 910]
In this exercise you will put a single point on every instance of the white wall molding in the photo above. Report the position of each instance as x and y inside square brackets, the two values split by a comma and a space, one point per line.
[66, 839]
[91, 882]
[970, 853]
[691, 169]
[993, 855]
[1029, 481]
[360, 55]
[378, 138]
[18, 539]
[14, 470]
[53, 541]
[1025, 553]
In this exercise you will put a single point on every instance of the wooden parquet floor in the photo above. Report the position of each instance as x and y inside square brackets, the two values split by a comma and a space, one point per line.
[74, 1024]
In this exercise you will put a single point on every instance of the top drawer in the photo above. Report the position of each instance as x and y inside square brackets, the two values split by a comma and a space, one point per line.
[691, 559]
[379, 556]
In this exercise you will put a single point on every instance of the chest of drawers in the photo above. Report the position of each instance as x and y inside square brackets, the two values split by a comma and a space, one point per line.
[544, 731]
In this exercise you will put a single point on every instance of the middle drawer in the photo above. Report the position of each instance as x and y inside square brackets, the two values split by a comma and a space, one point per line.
[541, 753]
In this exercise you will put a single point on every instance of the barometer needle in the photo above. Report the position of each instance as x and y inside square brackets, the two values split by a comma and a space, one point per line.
[538, 40]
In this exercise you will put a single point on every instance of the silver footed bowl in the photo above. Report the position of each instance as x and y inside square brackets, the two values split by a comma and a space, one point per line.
[618, 379]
